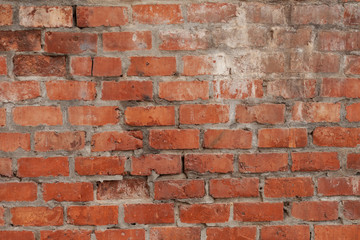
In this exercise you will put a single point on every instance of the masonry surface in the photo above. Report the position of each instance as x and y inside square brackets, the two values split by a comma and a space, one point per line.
[181, 120]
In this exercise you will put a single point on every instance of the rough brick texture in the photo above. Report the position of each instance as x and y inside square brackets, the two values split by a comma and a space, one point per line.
[179, 120]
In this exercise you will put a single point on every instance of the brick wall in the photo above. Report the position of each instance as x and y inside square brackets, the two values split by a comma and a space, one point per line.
[181, 120]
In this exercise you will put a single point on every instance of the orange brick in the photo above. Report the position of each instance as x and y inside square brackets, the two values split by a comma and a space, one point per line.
[150, 116]
[116, 141]
[101, 16]
[91, 115]
[37, 115]
[37, 216]
[70, 192]
[107, 67]
[227, 139]
[126, 41]
[202, 114]
[43, 167]
[157, 14]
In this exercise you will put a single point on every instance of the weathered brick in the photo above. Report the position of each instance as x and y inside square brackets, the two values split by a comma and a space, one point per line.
[160, 163]
[43, 167]
[324, 232]
[336, 136]
[70, 43]
[157, 14]
[116, 141]
[292, 88]
[214, 233]
[175, 233]
[227, 139]
[91, 115]
[338, 186]
[3, 66]
[179, 39]
[114, 165]
[92, 215]
[292, 232]
[71, 90]
[132, 188]
[2, 117]
[150, 116]
[314, 161]
[202, 114]
[184, 90]
[37, 115]
[353, 161]
[65, 234]
[234, 187]
[352, 14]
[205, 213]
[338, 41]
[352, 64]
[314, 62]
[11, 141]
[54, 141]
[126, 41]
[6, 15]
[179, 189]
[22, 41]
[262, 113]
[211, 12]
[282, 138]
[204, 65]
[101, 16]
[239, 89]
[263, 162]
[334, 87]
[110, 234]
[46, 16]
[19, 91]
[316, 14]
[152, 66]
[265, 13]
[352, 209]
[6, 167]
[316, 112]
[315, 211]
[81, 66]
[39, 65]
[289, 38]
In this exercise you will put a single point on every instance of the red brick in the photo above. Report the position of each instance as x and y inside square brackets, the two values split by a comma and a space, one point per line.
[352, 209]
[22, 41]
[91, 115]
[205, 213]
[101, 16]
[231, 233]
[336, 136]
[179, 189]
[316, 14]
[272, 63]
[46, 16]
[43, 167]
[352, 112]
[116, 141]
[212, 163]
[152, 66]
[352, 64]
[314, 62]
[326, 232]
[2, 217]
[71, 90]
[316, 112]
[204, 65]
[6, 167]
[149, 213]
[11, 141]
[160, 163]
[54, 141]
[258, 212]
[81, 66]
[37, 115]
[292, 88]
[284, 38]
[338, 41]
[157, 14]
[211, 12]
[107, 67]
[338, 186]
[65, 235]
[18, 191]
[227, 139]
[263, 162]
[6, 15]
[175, 233]
[262, 113]
[180, 39]
[234, 187]
[289, 187]
[352, 14]
[314, 161]
[2, 117]
[174, 139]
[348, 87]
[150, 116]
[184, 90]
[37, 216]
[3, 66]
[230, 89]
[114, 165]
[69, 192]
[353, 161]
[127, 91]
[16, 235]
[294, 232]
[38, 65]
[265, 13]
[121, 234]
[133, 188]
[315, 211]
[282, 138]
[126, 41]
[92, 215]
[70, 42]
[202, 114]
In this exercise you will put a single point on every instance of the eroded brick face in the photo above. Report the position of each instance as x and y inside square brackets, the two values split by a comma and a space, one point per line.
[179, 120]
